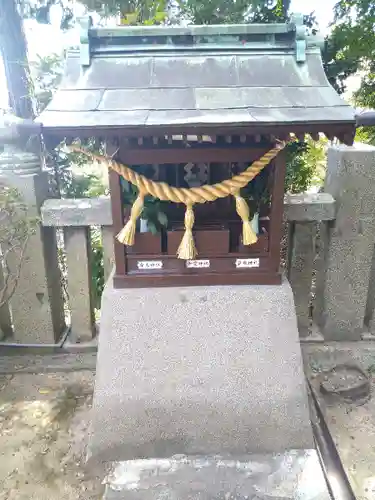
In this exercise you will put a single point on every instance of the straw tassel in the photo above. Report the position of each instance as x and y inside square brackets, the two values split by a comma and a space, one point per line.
[248, 235]
[127, 233]
[187, 250]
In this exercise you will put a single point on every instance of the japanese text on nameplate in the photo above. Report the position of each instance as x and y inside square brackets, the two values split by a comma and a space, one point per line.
[247, 263]
[197, 263]
[150, 264]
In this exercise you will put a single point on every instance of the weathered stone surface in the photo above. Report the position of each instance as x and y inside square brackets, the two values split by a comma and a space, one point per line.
[198, 370]
[302, 244]
[78, 212]
[14, 161]
[291, 475]
[347, 244]
[78, 256]
[309, 207]
[370, 305]
[37, 305]
[15, 130]
[97, 211]
[325, 355]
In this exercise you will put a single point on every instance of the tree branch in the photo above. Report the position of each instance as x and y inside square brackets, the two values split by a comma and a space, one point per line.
[15, 230]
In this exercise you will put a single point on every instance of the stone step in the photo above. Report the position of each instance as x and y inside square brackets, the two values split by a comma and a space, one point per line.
[285, 476]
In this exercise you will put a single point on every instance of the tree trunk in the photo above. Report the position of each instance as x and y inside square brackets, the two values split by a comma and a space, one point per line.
[13, 48]
[286, 6]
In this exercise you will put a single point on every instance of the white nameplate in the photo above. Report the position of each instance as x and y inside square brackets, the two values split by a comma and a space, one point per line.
[247, 263]
[197, 263]
[150, 264]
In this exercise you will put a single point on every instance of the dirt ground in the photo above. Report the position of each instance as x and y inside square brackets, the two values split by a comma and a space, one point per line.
[352, 426]
[44, 427]
[43, 435]
[353, 429]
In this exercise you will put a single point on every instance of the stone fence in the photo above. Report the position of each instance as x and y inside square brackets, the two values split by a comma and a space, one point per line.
[329, 259]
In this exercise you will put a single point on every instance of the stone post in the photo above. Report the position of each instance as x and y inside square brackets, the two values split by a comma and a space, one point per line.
[37, 304]
[303, 211]
[347, 244]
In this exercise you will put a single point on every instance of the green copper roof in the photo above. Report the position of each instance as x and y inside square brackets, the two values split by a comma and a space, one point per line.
[95, 41]
[137, 77]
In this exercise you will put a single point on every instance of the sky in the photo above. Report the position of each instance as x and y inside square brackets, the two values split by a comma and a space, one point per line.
[38, 35]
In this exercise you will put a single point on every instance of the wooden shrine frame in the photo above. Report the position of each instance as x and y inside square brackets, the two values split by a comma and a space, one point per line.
[221, 272]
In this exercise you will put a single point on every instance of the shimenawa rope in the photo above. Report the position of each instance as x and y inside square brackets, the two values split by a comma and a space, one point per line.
[189, 197]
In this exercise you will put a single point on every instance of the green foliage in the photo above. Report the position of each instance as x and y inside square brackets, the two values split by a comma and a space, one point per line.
[351, 46]
[71, 182]
[152, 212]
[240, 11]
[305, 165]
[256, 193]
[158, 11]
[353, 34]
[16, 227]
[46, 73]
[97, 266]
[337, 61]
[298, 173]
[133, 12]
[366, 135]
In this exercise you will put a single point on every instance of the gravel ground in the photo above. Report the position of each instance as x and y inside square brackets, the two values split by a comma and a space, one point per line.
[44, 424]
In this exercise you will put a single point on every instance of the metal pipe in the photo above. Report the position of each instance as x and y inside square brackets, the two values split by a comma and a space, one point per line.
[58, 345]
[337, 481]
[365, 119]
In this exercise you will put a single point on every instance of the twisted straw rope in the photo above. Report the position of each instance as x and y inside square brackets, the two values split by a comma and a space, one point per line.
[193, 195]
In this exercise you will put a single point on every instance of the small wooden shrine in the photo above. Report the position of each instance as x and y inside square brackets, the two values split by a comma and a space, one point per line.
[193, 123]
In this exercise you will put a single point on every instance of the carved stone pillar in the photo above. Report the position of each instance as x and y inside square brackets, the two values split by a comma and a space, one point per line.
[37, 305]
[344, 289]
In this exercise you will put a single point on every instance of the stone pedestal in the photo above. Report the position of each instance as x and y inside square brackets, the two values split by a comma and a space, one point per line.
[347, 244]
[198, 370]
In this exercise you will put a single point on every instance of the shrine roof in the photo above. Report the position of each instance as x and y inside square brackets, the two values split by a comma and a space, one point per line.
[196, 76]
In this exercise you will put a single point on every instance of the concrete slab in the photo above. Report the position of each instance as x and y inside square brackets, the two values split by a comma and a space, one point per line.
[288, 476]
[198, 370]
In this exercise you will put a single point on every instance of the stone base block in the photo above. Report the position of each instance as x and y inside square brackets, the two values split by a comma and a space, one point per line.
[292, 475]
[198, 371]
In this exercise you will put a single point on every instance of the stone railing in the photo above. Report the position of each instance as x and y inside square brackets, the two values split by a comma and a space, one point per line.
[333, 287]
[76, 217]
